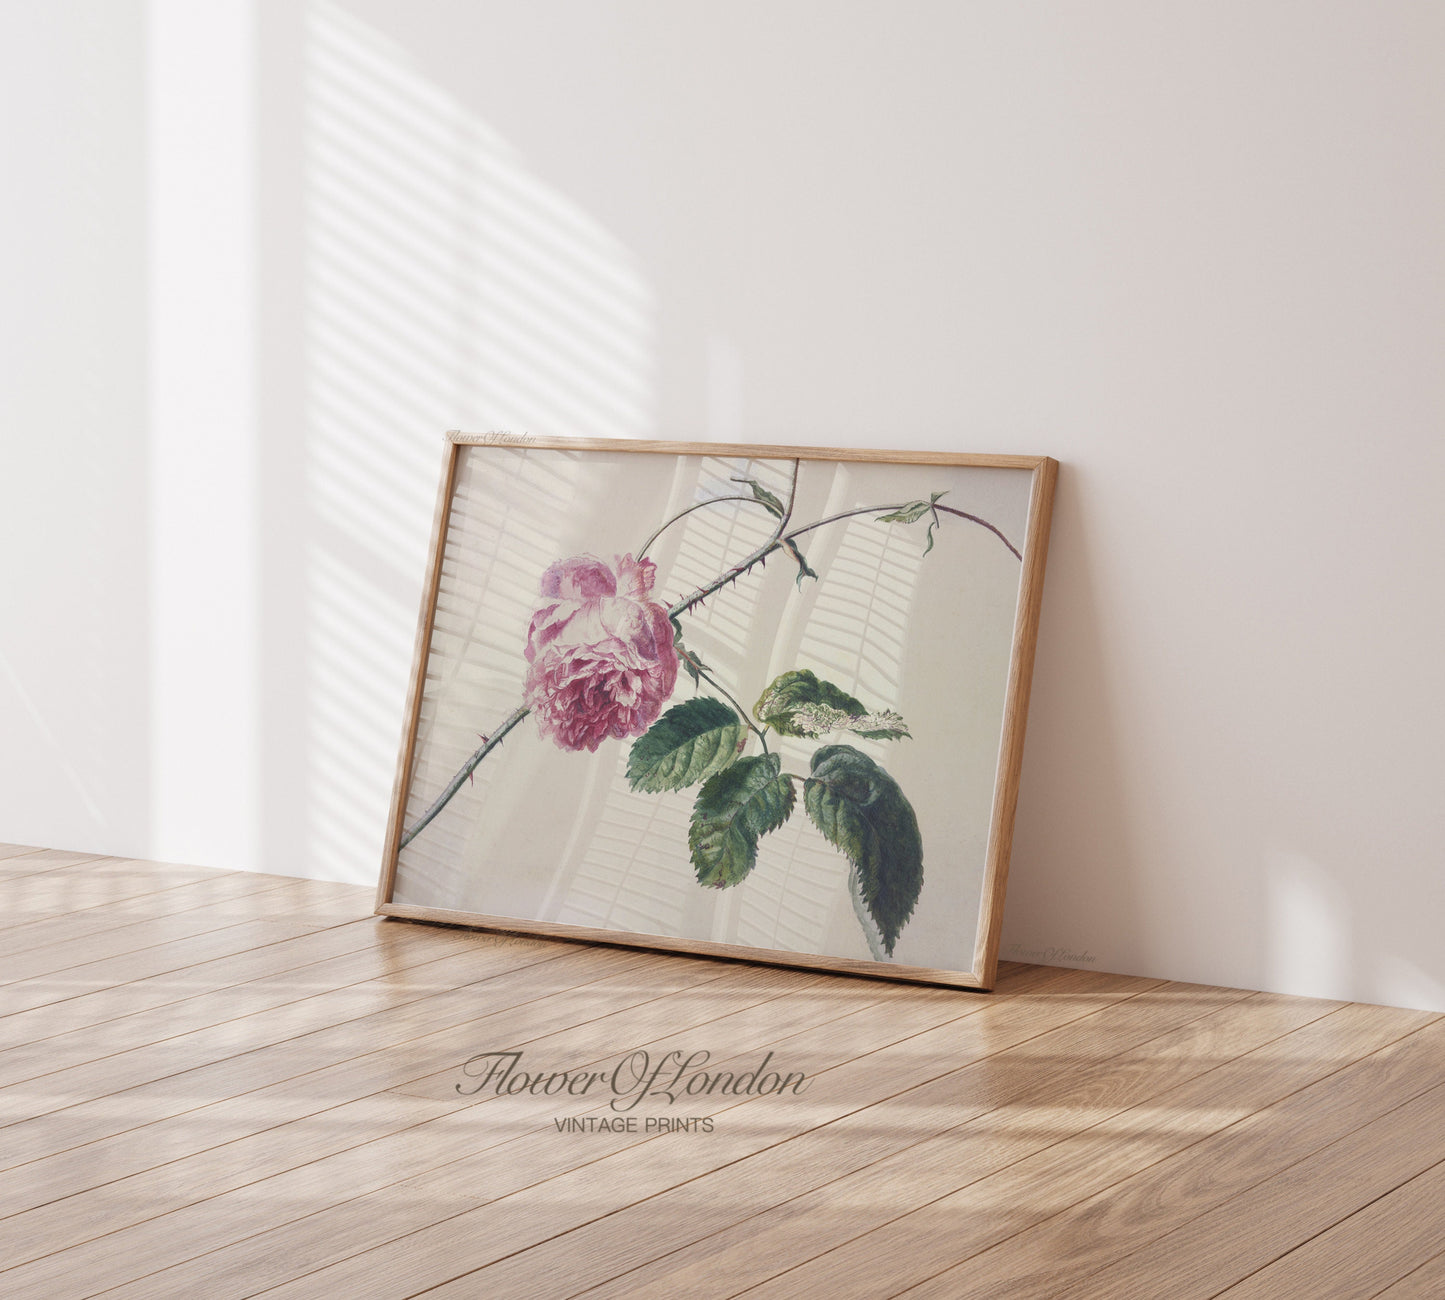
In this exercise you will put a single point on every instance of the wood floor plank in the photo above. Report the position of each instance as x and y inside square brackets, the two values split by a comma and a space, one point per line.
[438, 1000]
[246, 1032]
[260, 1258]
[297, 902]
[243, 1212]
[509, 1120]
[72, 877]
[117, 1001]
[134, 1176]
[1375, 1246]
[158, 959]
[1040, 1191]
[1273, 1215]
[885, 1050]
[63, 896]
[38, 861]
[90, 910]
[1077, 1252]
[1426, 1283]
[186, 1114]
[639, 1232]
[353, 1223]
[360, 968]
[988, 1119]
[654, 999]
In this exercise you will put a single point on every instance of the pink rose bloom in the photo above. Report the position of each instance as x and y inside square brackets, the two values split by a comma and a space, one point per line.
[601, 653]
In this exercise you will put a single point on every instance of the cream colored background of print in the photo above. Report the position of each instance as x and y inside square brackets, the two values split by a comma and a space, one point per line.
[544, 834]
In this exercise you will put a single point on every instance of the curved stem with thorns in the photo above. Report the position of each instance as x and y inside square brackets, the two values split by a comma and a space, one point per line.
[937, 505]
[737, 571]
[682, 514]
[488, 744]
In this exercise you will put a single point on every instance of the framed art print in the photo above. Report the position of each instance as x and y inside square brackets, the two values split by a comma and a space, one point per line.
[757, 702]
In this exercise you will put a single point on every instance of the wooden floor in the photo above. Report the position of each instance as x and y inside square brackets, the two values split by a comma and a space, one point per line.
[222, 1085]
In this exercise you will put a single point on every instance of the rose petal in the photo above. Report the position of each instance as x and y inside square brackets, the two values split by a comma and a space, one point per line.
[601, 656]
[583, 577]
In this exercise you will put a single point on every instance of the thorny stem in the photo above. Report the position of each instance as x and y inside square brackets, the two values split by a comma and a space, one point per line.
[937, 505]
[723, 690]
[696, 505]
[733, 574]
[780, 539]
[465, 771]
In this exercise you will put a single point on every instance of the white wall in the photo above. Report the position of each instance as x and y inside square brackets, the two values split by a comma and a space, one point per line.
[75, 694]
[1192, 250]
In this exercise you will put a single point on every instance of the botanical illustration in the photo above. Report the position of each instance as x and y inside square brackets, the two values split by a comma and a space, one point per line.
[603, 658]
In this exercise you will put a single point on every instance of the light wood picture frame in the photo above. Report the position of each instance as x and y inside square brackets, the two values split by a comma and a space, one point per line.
[786, 727]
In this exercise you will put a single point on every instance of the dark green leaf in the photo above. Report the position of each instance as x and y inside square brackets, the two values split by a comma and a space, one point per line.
[799, 703]
[760, 493]
[791, 690]
[861, 812]
[733, 808]
[686, 745]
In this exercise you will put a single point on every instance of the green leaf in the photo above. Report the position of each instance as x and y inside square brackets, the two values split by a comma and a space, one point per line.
[733, 808]
[688, 744]
[861, 811]
[691, 660]
[804, 569]
[788, 691]
[799, 703]
[909, 514]
[760, 493]
[913, 512]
